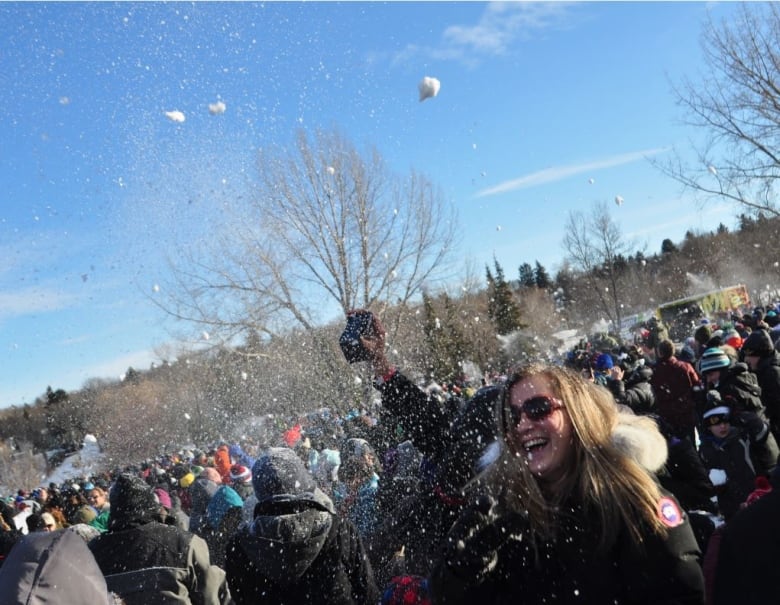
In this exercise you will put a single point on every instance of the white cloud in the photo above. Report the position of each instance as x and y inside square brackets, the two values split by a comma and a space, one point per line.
[500, 26]
[33, 300]
[559, 173]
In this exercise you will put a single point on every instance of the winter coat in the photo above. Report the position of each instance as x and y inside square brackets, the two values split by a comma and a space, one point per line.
[223, 516]
[222, 463]
[673, 382]
[746, 570]
[452, 450]
[570, 571]
[635, 391]
[52, 567]
[686, 477]
[735, 456]
[296, 551]
[201, 491]
[768, 375]
[149, 563]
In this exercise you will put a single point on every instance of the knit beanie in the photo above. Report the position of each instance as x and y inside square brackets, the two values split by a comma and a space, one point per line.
[240, 474]
[407, 590]
[132, 501]
[763, 487]
[187, 480]
[604, 362]
[713, 359]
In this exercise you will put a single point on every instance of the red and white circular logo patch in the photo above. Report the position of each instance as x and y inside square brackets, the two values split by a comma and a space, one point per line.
[669, 512]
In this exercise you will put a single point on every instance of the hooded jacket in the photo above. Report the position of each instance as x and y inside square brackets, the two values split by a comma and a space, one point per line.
[52, 567]
[149, 563]
[297, 551]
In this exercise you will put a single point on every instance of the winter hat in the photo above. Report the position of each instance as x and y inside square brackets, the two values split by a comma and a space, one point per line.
[715, 410]
[132, 500]
[713, 359]
[763, 487]
[604, 362]
[758, 343]
[407, 590]
[163, 497]
[221, 502]
[279, 475]
[211, 474]
[187, 480]
[240, 474]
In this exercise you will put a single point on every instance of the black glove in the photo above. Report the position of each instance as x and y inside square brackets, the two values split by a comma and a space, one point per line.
[475, 538]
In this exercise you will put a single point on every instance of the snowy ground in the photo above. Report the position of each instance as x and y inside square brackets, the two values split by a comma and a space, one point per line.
[79, 464]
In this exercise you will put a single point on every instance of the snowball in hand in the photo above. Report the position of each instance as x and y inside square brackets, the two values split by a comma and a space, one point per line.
[717, 476]
[429, 88]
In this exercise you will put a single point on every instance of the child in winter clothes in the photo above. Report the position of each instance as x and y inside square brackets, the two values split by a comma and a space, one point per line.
[731, 443]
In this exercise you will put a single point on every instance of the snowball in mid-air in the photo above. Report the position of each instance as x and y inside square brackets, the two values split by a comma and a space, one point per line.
[429, 88]
[498, 227]
[591, 181]
[156, 288]
[205, 335]
[175, 116]
[713, 170]
[619, 200]
[331, 170]
[187, 416]
[217, 108]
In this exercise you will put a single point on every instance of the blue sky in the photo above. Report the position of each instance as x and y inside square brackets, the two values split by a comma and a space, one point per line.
[99, 187]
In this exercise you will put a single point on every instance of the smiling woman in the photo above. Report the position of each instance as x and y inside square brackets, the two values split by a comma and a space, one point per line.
[572, 511]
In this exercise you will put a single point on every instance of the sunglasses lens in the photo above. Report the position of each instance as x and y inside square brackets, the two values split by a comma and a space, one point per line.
[537, 408]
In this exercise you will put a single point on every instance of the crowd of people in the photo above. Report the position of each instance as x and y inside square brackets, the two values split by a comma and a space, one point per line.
[641, 473]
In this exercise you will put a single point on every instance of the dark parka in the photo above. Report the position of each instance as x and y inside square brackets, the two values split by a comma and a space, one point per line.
[452, 449]
[150, 563]
[635, 390]
[768, 374]
[746, 571]
[570, 572]
[296, 551]
[52, 567]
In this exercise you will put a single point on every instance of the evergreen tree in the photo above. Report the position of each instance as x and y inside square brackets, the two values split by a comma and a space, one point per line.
[668, 247]
[502, 308]
[541, 278]
[527, 277]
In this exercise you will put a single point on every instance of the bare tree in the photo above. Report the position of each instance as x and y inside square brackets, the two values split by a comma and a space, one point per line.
[595, 247]
[330, 229]
[737, 105]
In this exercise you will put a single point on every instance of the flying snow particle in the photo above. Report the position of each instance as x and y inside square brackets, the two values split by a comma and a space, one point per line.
[217, 108]
[64, 101]
[437, 323]
[498, 227]
[205, 335]
[591, 181]
[395, 211]
[643, 262]
[483, 173]
[156, 288]
[244, 375]
[357, 380]
[619, 200]
[331, 170]
[476, 319]
[713, 170]
[474, 146]
[429, 88]
[175, 116]
[187, 416]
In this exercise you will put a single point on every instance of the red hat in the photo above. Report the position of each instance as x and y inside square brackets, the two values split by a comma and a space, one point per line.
[240, 474]
[763, 487]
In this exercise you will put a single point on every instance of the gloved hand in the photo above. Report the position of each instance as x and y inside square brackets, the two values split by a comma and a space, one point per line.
[475, 538]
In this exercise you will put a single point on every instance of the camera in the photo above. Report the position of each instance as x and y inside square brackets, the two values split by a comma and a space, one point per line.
[358, 324]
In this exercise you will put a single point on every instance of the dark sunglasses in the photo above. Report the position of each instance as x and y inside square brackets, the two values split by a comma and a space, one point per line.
[716, 419]
[536, 409]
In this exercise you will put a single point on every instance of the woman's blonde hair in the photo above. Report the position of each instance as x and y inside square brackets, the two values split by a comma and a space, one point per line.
[608, 482]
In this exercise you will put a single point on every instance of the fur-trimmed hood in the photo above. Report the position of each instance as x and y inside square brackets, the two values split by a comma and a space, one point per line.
[639, 438]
